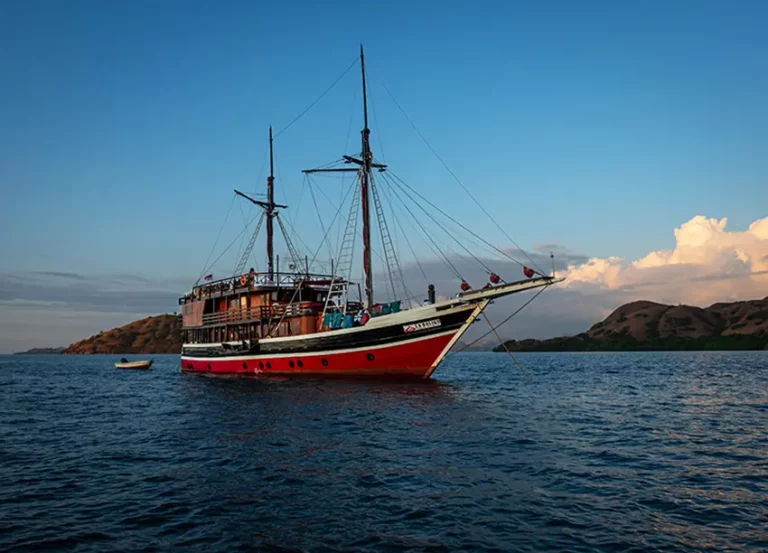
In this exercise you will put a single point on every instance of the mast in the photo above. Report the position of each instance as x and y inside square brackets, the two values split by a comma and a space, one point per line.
[364, 194]
[365, 164]
[270, 210]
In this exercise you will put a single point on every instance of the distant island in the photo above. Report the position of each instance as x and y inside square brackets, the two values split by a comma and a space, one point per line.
[649, 326]
[159, 334]
[40, 351]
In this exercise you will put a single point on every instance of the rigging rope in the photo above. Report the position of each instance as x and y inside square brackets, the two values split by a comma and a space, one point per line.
[332, 203]
[519, 366]
[437, 252]
[233, 241]
[436, 249]
[388, 202]
[445, 165]
[473, 342]
[376, 120]
[241, 248]
[446, 231]
[351, 115]
[502, 252]
[296, 235]
[298, 203]
[205, 268]
[319, 218]
[289, 244]
[326, 91]
[402, 231]
[311, 263]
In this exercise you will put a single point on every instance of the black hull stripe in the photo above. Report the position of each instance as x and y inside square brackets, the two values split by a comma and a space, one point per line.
[331, 341]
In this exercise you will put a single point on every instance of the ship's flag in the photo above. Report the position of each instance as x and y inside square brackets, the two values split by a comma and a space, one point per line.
[528, 272]
[208, 277]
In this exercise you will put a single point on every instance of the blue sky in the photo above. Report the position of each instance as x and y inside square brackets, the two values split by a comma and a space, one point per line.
[600, 126]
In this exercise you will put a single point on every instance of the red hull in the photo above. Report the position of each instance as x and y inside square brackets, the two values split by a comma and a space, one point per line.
[415, 358]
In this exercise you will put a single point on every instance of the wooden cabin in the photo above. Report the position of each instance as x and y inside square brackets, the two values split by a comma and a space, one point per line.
[253, 306]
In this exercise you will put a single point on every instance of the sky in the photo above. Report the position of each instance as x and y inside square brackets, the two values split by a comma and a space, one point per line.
[630, 139]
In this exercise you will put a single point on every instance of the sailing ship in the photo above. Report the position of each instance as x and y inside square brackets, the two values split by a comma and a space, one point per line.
[301, 322]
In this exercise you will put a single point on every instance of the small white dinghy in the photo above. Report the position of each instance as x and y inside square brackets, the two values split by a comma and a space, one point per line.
[138, 365]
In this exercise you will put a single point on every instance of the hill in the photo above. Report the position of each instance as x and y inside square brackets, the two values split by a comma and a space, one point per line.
[483, 345]
[40, 351]
[645, 325]
[159, 334]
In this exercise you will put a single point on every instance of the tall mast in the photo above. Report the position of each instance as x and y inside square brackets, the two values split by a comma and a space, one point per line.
[364, 195]
[270, 210]
[365, 164]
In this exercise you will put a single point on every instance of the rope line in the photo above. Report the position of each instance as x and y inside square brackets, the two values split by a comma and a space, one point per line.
[326, 91]
[233, 241]
[319, 217]
[436, 248]
[483, 240]
[205, 265]
[385, 190]
[504, 345]
[376, 120]
[473, 342]
[446, 231]
[311, 263]
[295, 234]
[445, 165]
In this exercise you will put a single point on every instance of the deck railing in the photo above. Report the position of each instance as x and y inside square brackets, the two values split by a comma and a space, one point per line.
[248, 314]
[227, 286]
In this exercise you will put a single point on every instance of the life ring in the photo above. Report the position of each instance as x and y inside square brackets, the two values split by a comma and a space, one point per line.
[243, 280]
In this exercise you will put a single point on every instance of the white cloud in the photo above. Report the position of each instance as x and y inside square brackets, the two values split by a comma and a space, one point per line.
[707, 264]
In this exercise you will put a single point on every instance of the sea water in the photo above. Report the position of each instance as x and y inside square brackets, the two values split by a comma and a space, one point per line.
[596, 452]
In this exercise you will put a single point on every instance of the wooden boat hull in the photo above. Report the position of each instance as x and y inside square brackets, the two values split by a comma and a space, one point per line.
[408, 344]
[411, 359]
[135, 365]
[407, 348]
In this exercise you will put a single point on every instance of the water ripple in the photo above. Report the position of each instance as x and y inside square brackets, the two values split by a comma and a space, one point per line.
[600, 452]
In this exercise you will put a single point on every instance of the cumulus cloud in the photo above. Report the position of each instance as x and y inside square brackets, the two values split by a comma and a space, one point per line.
[708, 263]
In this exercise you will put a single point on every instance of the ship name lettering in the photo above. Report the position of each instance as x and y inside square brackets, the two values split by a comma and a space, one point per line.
[423, 325]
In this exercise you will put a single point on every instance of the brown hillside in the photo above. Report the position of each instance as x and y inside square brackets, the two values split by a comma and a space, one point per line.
[160, 334]
[645, 320]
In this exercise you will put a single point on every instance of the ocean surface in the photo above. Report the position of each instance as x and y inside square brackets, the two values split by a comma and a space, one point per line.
[597, 452]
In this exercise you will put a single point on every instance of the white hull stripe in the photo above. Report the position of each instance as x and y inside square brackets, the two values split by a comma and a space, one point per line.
[311, 353]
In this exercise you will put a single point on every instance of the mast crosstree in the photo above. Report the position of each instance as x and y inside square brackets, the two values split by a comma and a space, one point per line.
[365, 163]
[271, 211]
